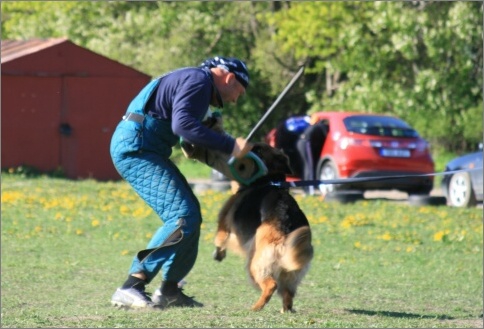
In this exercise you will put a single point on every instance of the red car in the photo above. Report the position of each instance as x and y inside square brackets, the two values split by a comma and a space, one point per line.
[360, 145]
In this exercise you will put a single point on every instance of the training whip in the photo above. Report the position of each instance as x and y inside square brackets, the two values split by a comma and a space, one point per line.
[232, 163]
[276, 102]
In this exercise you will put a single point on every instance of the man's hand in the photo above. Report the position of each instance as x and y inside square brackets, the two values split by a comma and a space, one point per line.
[241, 147]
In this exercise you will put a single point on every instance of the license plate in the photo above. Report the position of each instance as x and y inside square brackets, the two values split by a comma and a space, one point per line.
[397, 153]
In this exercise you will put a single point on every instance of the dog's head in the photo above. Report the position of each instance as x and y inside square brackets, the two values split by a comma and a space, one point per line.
[275, 160]
[264, 163]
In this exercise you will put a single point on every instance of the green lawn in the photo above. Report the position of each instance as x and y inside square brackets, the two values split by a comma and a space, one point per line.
[67, 245]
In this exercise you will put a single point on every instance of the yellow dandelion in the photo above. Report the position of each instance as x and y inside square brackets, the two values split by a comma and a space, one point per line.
[317, 220]
[38, 229]
[124, 209]
[95, 223]
[149, 235]
[140, 212]
[357, 244]
[439, 236]
[68, 203]
[346, 223]
[425, 210]
[410, 249]
[355, 220]
[79, 232]
[10, 197]
[49, 204]
[386, 236]
[124, 252]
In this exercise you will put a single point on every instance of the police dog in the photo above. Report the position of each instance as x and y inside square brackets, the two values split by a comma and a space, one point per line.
[264, 223]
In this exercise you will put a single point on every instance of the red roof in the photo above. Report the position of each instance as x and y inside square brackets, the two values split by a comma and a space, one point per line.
[58, 56]
[12, 49]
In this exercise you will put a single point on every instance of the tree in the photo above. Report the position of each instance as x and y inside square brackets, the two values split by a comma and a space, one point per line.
[421, 61]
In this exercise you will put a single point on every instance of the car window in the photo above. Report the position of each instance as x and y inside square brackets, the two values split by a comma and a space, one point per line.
[379, 126]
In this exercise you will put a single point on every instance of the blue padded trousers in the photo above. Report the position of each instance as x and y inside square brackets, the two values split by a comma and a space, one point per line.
[174, 247]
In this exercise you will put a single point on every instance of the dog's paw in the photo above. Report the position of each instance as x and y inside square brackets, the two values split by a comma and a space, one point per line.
[287, 310]
[257, 307]
[219, 254]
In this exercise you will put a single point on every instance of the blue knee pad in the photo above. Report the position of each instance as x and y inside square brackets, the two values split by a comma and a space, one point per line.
[174, 251]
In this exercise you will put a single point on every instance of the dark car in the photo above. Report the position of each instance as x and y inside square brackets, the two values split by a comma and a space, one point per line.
[464, 188]
[364, 145]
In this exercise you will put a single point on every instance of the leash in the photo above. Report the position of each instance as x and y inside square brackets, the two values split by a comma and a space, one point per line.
[285, 184]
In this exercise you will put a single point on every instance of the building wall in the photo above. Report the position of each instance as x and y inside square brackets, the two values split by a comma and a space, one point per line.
[30, 121]
[60, 107]
[93, 107]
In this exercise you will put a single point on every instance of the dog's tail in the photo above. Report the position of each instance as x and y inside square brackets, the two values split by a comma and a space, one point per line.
[298, 249]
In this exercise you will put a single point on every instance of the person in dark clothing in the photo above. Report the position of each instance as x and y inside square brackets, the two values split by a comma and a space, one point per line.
[169, 109]
[286, 137]
[309, 146]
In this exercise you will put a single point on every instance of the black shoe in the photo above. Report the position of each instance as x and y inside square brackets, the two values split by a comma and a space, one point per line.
[178, 300]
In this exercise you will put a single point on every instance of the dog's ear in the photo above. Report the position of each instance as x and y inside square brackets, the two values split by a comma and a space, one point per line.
[285, 163]
[274, 159]
[281, 161]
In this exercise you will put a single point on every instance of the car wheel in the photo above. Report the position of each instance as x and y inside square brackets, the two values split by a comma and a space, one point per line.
[426, 200]
[421, 190]
[460, 193]
[328, 172]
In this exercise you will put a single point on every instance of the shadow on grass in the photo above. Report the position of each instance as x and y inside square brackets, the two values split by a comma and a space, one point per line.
[400, 314]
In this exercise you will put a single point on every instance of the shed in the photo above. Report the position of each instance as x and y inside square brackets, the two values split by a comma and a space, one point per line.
[60, 105]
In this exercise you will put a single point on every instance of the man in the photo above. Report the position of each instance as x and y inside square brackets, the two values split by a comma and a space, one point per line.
[170, 108]
[309, 147]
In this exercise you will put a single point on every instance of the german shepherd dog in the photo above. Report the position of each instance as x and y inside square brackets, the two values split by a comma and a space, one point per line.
[264, 223]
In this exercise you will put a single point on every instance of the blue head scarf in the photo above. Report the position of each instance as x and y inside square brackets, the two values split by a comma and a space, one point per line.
[230, 64]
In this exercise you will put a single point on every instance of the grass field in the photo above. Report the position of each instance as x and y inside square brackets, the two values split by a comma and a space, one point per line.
[67, 245]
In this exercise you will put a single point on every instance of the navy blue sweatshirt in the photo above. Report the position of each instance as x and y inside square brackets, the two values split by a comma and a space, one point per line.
[183, 97]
